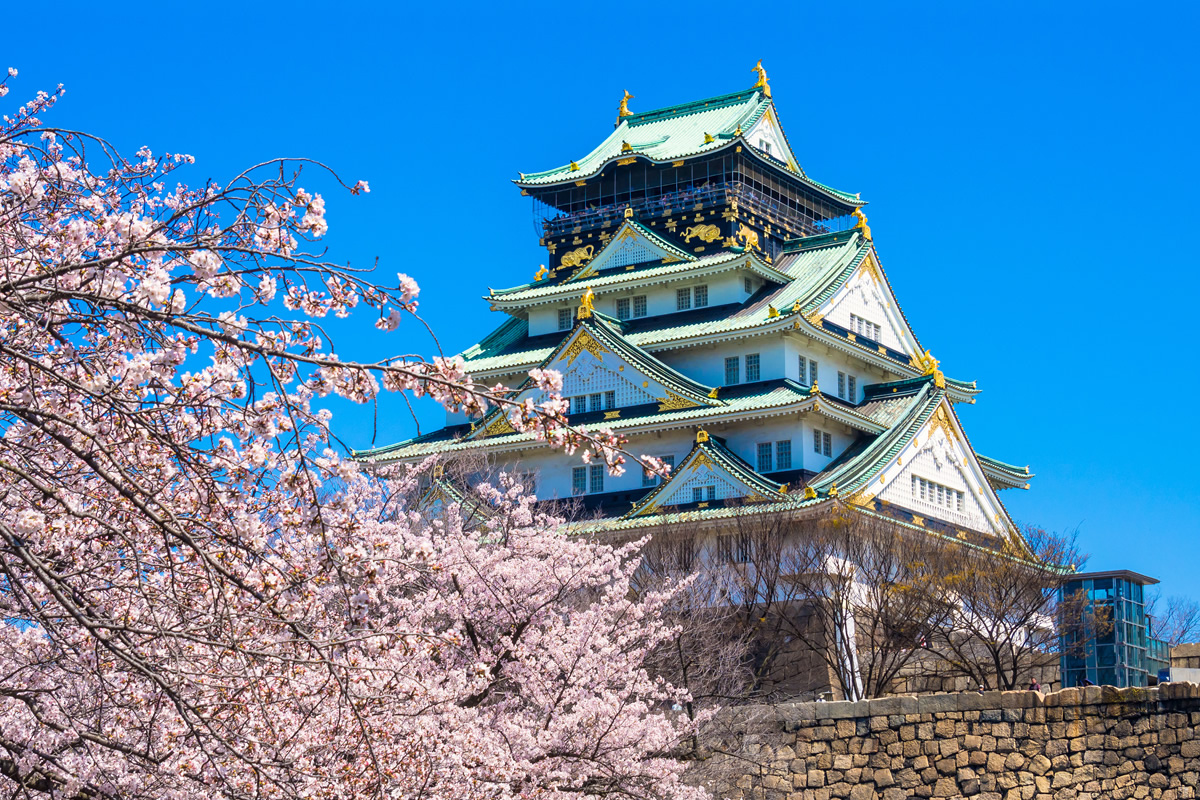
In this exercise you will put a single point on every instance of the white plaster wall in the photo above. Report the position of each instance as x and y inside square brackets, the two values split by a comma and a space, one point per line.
[863, 297]
[940, 460]
[544, 319]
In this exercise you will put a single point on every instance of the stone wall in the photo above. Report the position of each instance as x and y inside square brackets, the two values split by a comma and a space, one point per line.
[925, 676]
[1094, 743]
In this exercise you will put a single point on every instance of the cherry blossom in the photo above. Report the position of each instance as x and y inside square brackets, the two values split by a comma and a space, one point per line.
[200, 596]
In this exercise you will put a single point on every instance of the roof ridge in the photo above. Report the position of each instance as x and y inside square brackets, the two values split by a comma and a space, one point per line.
[690, 107]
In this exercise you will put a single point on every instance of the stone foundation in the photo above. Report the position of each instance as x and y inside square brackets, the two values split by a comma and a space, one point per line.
[1094, 743]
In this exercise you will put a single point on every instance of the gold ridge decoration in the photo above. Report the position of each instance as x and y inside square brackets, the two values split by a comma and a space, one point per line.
[624, 162]
[796, 306]
[815, 318]
[584, 342]
[623, 108]
[702, 459]
[872, 269]
[578, 257]
[713, 394]
[708, 139]
[673, 402]
[499, 426]
[862, 223]
[626, 147]
[929, 366]
[761, 83]
[942, 420]
[574, 167]
[772, 311]
[705, 233]
[810, 493]
[586, 305]
[833, 490]
[814, 389]
[541, 273]
[701, 437]
[628, 212]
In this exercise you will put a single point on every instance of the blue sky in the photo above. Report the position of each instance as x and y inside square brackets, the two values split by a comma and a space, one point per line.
[1031, 171]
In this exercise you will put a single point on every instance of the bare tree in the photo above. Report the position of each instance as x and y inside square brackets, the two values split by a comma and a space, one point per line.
[1008, 609]
[1176, 618]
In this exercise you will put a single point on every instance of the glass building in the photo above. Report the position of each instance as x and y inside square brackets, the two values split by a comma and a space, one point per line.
[1113, 644]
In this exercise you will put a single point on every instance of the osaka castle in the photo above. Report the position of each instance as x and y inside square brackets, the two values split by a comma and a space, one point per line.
[705, 297]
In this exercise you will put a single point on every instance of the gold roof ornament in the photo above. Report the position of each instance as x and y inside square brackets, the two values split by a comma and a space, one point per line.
[623, 108]
[862, 223]
[738, 132]
[585, 304]
[810, 493]
[708, 138]
[628, 212]
[772, 311]
[701, 436]
[833, 490]
[796, 306]
[439, 470]
[713, 394]
[929, 366]
[783, 489]
[761, 83]
[814, 389]
[626, 147]
[541, 273]
[574, 167]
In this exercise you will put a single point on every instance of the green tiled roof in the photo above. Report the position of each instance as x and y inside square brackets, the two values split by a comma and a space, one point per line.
[674, 133]
[1008, 475]
[718, 262]
[720, 456]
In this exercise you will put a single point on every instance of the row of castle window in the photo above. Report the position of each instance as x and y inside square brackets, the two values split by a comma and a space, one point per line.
[631, 307]
[583, 403]
[864, 327]
[587, 480]
[822, 443]
[937, 494]
[733, 369]
[782, 453]
[702, 493]
[691, 297]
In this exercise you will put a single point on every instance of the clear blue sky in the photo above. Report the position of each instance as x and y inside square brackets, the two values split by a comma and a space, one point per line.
[1031, 170]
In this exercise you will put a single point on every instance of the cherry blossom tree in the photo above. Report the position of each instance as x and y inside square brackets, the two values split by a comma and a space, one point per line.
[199, 596]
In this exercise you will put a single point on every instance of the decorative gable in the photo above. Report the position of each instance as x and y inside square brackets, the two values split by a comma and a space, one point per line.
[767, 137]
[864, 306]
[937, 476]
[631, 244]
[710, 473]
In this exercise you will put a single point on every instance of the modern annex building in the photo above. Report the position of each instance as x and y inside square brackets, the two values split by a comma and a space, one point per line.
[705, 297]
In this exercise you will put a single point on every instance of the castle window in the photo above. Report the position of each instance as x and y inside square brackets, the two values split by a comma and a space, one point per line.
[783, 455]
[753, 370]
[700, 296]
[749, 286]
[579, 404]
[683, 299]
[812, 372]
[596, 479]
[639, 305]
[822, 443]
[623, 308]
[564, 319]
[650, 479]
[702, 493]
[765, 146]
[803, 372]
[610, 400]
[733, 548]
[595, 401]
[847, 386]
[937, 494]
[864, 327]
[578, 480]
[733, 368]
[764, 457]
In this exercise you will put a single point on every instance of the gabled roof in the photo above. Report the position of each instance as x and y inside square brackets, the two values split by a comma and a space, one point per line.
[440, 490]
[592, 334]
[709, 459]
[674, 133]
[635, 276]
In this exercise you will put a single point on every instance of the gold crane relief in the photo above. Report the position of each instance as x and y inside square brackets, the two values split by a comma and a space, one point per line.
[705, 233]
[577, 257]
